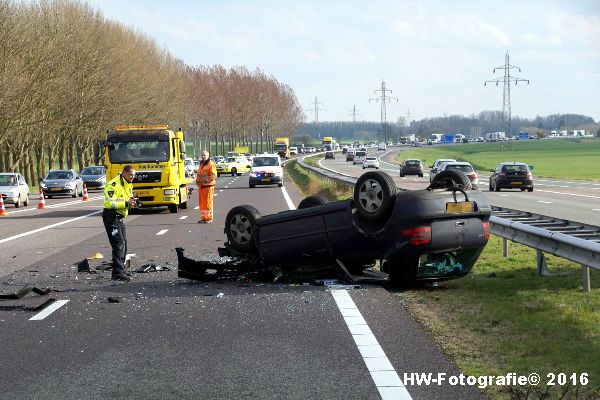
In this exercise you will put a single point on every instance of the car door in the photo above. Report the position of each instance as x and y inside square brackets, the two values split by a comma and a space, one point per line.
[494, 175]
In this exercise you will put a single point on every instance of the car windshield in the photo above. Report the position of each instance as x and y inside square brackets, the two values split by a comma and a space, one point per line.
[142, 151]
[230, 159]
[8, 180]
[514, 168]
[371, 158]
[412, 162]
[361, 153]
[265, 162]
[93, 171]
[460, 167]
[280, 147]
[59, 175]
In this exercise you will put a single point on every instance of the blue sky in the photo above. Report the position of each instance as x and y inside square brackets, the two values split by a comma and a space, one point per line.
[434, 55]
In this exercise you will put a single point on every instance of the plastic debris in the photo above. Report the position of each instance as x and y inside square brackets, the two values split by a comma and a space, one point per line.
[220, 295]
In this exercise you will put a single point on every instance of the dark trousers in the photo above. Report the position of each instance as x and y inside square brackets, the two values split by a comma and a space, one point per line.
[117, 236]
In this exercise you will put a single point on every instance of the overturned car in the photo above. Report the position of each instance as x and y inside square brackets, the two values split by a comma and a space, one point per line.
[414, 235]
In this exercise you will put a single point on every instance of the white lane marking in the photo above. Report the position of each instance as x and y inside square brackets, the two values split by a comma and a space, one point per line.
[197, 207]
[545, 202]
[184, 217]
[569, 194]
[48, 310]
[503, 195]
[595, 209]
[68, 203]
[286, 196]
[162, 232]
[20, 235]
[382, 372]
[220, 190]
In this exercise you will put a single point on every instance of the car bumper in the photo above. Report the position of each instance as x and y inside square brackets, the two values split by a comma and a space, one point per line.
[9, 199]
[95, 185]
[514, 183]
[59, 191]
[269, 180]
[411, 172]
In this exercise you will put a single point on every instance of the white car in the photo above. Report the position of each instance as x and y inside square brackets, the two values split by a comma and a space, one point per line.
[293, 151]
[14, 189]
[371, 162]
[188, 162]
[462, 166]
[266, 170]
[360, 156]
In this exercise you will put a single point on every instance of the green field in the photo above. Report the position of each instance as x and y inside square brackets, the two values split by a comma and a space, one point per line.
[556, 158]
[504, 317]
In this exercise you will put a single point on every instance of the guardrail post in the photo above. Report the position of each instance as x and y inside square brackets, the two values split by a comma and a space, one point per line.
[586, 278]
[542, 265]
[505, 247]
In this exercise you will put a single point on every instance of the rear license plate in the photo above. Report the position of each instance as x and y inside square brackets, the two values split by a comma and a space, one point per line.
[516, 183]
[55, 189]
[266, 179]
[460, 207]
[137, 193]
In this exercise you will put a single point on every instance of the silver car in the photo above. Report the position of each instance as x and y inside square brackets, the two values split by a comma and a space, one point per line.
[62, 182]
[14, 189]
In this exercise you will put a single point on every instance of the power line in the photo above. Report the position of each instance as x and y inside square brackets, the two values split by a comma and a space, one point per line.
[383, 99]
[507, 79]
[316, 109]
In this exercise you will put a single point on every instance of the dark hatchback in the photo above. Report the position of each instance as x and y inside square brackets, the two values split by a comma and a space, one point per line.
[418, 235]
[511, 175]
[411, 167]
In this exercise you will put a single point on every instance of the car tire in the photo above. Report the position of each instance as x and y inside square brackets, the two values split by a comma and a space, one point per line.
[74, 195]
[491, 188]
[420, 175]
[280, 184]
[18, 203]
[530, 189]
[496, 187]
[401, 175]
[523, 189]
[233, 171]
[251, 186]
[26, 203]
[312, 201]
[459, 178]
[240, 228]
[374, 195]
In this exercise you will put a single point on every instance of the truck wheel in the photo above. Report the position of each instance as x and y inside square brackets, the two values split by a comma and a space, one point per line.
[233, 171]
[374, 195]
[240, 228]
[312, 201]
[452, 177]
[173, 208]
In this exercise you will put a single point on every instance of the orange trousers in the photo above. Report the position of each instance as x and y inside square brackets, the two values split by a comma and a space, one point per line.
[206, 202]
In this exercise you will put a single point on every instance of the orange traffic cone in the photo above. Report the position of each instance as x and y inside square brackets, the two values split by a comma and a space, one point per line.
[85, 194]
[3, 212]
[42, 203]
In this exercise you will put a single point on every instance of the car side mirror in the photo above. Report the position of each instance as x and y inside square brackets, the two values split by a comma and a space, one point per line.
[182, 148]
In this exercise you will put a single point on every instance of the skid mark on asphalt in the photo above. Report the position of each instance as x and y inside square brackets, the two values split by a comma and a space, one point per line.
[382, 372]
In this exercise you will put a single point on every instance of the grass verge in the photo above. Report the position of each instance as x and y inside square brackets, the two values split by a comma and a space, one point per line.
[560, 158]
[310, 184]
[505, 318]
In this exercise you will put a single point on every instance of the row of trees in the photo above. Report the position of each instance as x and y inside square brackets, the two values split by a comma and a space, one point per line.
[67, 74]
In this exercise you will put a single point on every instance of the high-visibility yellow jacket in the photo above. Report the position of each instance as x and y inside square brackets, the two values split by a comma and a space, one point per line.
[117, 193]
[207, 174]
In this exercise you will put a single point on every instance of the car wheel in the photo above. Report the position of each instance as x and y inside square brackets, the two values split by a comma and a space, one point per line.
[233, 171]
[491, 189]
[218, 175]
[452, 177]
[26, 203]
[374, 195]
[312, 201]
[401, 175]
[496, 187]
[74, 195]
[280, 184]
[523, 189]
[530, 189]
[363, 167]
[18, 203]
[240, 228]
[251, 186]
[420, 175]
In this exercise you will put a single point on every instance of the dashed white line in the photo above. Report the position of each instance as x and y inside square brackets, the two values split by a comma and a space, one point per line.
[382, 372]
[545, 202]
[162, 232]
[184, 217]
[48, 310]
[20, 235]
[197, 208]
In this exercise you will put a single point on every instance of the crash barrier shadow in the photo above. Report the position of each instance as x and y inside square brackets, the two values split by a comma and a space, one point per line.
[572, 241]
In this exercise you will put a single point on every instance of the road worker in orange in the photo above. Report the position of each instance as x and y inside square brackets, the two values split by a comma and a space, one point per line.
[206, 180]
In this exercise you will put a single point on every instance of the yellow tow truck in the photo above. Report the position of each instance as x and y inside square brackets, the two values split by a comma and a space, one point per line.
[157, 153]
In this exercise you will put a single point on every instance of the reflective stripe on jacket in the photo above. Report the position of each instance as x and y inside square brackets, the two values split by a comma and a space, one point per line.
[117, 193]
[207, 174]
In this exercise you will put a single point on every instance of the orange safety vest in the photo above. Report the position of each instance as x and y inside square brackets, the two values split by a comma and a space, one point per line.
[207, 174]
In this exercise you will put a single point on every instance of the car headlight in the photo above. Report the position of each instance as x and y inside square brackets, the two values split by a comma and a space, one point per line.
[42, 185]
[169, 192]
[101, 179]
[69, 185]
[253, 174]
[278, 173]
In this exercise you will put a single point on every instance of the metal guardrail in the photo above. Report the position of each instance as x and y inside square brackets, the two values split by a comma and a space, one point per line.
[566, 239]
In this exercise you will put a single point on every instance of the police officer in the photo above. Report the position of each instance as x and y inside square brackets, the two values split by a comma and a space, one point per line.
[118, 198]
